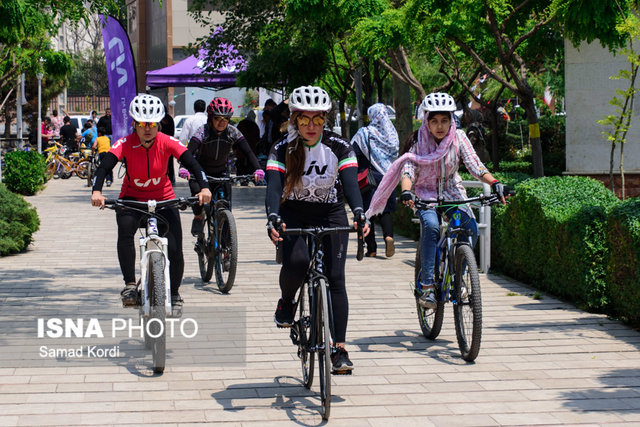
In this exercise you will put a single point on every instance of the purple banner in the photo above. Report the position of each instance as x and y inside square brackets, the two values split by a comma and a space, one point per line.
[121, 72]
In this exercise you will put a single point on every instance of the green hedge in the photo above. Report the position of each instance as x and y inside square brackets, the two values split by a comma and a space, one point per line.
[18, 222]
[553, 235]
[623, 272]
[24, 172]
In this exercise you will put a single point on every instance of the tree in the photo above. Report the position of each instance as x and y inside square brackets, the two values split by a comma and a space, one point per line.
[621, 121]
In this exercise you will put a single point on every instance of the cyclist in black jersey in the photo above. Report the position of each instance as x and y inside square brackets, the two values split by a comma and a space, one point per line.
[309, 173]
[211, 145]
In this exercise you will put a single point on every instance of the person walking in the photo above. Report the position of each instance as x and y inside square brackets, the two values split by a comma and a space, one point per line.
[105, 122]
[376, 147]
[195, 122]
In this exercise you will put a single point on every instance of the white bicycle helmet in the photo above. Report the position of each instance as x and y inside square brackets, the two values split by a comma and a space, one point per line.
[437, 101]
[146, 108]
[309, 98]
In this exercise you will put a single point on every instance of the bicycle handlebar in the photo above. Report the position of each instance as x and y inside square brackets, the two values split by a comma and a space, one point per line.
[225, 179]
[181, 203]
[491, 199]
[319, 232]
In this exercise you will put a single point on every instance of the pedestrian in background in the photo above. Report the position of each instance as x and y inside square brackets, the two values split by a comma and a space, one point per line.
[376, 147]
[195, 122]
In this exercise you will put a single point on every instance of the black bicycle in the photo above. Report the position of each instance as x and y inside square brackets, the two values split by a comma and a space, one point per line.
[312, 331]
[154, 293]
[456, 276]
[217, 245]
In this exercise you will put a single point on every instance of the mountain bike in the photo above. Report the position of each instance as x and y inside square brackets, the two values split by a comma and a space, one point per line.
[456, 276]
[154, 295]
[312, 331]
[217, 245]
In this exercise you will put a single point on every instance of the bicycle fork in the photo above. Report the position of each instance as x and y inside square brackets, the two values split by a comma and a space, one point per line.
[148, 244]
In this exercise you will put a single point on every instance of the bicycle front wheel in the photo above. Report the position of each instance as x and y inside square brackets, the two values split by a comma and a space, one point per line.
[467, 309]
[303, 325]
[430, 319]
[204, 247]
[323, 338]
[227, 253]
[158, 315]
[82, 169]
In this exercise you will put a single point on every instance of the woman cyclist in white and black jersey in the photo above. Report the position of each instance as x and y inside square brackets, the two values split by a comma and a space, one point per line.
[309, 173]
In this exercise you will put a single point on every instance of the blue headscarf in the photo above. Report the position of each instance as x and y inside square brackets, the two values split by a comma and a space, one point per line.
[378, 141]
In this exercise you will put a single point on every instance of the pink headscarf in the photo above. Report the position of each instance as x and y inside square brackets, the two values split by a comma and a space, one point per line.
[427, 152]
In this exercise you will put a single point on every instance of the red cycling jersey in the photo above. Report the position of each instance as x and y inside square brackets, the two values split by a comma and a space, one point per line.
[146, 177]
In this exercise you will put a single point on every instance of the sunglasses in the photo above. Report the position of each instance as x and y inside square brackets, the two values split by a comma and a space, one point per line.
[220, 119]
[145, 124]
[304, 120]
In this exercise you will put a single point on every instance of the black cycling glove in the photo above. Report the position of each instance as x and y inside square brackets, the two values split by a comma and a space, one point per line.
[407, 196]
[273, 221]
[359, 217]
[498, 188]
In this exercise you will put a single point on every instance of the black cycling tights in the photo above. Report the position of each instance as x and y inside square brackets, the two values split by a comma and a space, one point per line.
[129, 222]
[294, 269]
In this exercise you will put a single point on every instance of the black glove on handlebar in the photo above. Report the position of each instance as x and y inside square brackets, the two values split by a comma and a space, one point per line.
[273, 221]
[359, 217]
[499, 189]
[407, 196]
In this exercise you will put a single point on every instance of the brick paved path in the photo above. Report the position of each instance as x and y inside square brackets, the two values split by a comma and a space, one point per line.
[542, 361]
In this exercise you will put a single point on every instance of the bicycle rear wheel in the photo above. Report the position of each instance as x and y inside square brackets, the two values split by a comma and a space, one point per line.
[90, 172]
[467, 309]
[303, 325]
[227, 254]
[204, 247]
[158, 315]
[430, 319]
[323, 339]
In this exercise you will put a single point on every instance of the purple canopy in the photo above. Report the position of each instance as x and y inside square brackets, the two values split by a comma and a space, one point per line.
[190, 72]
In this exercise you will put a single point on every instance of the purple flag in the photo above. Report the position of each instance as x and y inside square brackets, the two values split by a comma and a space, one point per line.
[121, 72]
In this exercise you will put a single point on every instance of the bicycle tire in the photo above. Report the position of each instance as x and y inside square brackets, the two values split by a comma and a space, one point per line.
[82, 169]
[323, 339]
[65, 170]
[467, 309]
[90, 172]
[226, 261]
[205, 249]
[307, 357]
[50, 169]
[158, 313]
[430, 319]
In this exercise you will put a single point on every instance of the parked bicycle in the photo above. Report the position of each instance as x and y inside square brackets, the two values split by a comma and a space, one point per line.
[312, 331]
[456, 276]
[60, 163]
[217, 245]
[154, 293]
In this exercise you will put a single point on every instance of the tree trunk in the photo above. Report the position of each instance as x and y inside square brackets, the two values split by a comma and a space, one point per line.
[495, 157]
[534, 136]
[404, 110]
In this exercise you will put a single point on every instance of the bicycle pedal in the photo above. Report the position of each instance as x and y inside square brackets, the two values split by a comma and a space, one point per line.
[294, 336]
[334, 372]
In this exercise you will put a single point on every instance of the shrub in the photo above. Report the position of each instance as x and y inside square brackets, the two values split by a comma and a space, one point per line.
[623, 271]
[18, 222]
[24, 172]
[553, 236]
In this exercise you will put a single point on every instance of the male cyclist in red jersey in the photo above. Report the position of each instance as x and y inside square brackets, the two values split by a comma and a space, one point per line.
[147, 153]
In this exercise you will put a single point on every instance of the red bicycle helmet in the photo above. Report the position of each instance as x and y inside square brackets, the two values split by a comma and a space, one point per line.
[220, 107]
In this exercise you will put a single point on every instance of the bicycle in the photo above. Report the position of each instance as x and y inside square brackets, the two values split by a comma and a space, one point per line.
[312, 331]
[217, 245]
[61, 165]
[94, 162]
[456, 276]
[154, 297]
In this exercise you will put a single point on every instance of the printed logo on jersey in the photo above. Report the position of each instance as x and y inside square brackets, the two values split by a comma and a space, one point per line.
[319, 170]
[119, 142]
[146, 183]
